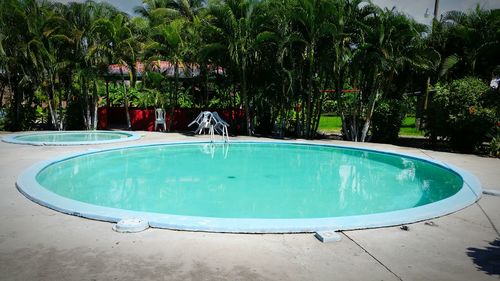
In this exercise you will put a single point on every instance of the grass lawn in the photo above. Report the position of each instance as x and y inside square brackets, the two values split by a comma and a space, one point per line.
[408, 128]
[333, 124]
[330, 124]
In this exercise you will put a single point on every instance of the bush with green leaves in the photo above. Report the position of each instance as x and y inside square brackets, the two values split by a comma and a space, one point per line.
[458, 113]
[387, 120]
[495, 146]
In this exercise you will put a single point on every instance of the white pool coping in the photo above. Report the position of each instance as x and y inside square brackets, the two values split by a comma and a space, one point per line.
[14, 138]
[469, 193]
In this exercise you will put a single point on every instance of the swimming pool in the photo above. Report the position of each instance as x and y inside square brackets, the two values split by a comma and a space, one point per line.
[71, 137]
[250, 186]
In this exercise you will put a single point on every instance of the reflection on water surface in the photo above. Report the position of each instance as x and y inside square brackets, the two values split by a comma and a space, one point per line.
[250, 180]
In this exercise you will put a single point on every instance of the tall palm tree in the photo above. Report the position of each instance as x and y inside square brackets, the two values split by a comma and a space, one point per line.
[276, 41]
[163, 11]
[168, 43]
[118, 44]
[22, 55]
[471, 40]
[347, 17]
[390, 41]
[232, 22]
[87, 64]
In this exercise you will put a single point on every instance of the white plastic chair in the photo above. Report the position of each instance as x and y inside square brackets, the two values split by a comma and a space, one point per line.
[203, 120]
[206, 123]
[160, 119]
[221, 126]
[197, 119]
[213, 122]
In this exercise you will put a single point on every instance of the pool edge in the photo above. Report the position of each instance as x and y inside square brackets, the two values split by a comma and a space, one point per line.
[466, 196]
[11, 138]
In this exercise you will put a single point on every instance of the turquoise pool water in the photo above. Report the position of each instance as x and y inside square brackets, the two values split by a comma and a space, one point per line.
[70, 137]
[250, 180]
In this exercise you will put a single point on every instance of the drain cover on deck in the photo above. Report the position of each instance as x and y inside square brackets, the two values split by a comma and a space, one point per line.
[131, 225]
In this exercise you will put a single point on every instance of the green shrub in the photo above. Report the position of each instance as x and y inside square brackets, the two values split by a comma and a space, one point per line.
[495, 141]
[495, 147]
[24, 121]
[3, 117]
[74, 116]
[329, 106]
[387, 120]
[459, 114]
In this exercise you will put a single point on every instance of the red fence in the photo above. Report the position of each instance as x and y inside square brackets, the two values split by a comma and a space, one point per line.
[144, 119]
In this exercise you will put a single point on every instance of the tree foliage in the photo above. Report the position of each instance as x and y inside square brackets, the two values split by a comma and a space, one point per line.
[460, 113]
[273, 59]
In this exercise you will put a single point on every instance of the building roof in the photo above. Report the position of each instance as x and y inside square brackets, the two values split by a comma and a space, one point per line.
[186, 70]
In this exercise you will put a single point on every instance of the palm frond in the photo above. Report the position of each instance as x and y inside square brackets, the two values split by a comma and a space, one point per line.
[448, 63]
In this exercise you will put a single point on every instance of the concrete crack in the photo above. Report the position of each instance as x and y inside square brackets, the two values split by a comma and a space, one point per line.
[377, 260]
[426, 154]
[488, 217]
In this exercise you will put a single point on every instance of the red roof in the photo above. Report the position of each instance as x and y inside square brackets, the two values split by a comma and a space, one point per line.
[185, 70]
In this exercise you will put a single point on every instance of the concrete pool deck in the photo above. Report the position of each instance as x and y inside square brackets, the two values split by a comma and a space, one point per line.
[37, 243]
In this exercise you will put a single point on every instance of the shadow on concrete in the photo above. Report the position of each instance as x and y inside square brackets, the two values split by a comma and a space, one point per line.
[487, 259]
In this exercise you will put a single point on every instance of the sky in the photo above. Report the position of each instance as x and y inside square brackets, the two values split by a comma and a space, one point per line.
[417, 8]
[414, 8]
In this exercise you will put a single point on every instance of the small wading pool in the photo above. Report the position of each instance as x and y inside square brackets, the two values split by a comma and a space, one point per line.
[71, 137]
[250, 186]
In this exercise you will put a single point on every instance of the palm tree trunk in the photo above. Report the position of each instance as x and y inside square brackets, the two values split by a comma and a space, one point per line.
[282, 110]
[95, 100]
[52, 110]
[68, 99]
[84, 104]
[204, 77]
[309, 93]
[233, 102]
[174, 101]
[125, 100]
[15, 114]
[372, 99]
[338, 92]
[354, 127]
[318, 113]
[371, 108]
[9, 85]
[15, 91]
[108, 104]
[61, 114]
[244, 95]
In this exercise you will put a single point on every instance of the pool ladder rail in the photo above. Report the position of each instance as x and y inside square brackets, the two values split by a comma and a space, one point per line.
[210, 149]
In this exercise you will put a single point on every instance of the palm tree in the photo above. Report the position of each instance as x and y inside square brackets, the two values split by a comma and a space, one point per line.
[470, 41]
[22, 55]
[117, 43]
[275, 42]
[232, 22]
[168, 43]
[163, 11]
[57, 40]
[347, 18]
[87, 64]
[390, 42]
